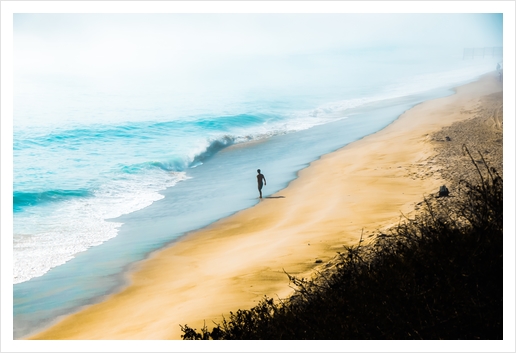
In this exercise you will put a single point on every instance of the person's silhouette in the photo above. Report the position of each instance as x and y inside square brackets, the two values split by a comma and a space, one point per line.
[261, 181]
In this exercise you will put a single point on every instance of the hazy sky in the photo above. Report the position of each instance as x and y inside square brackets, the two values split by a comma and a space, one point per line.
[83, 44]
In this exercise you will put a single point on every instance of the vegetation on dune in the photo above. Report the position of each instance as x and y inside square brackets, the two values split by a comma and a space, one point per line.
[437, 276]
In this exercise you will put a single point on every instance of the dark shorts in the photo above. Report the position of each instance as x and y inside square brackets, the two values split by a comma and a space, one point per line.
[260, 186]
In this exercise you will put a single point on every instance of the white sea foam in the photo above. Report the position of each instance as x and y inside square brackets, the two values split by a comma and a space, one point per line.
[75, 225]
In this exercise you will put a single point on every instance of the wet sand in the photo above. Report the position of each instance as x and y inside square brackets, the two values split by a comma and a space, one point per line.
[230, 265]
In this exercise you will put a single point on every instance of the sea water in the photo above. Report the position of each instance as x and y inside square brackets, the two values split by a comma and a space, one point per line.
[104, 176]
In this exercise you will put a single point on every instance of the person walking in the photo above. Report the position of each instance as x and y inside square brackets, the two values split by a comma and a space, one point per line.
[261, 181]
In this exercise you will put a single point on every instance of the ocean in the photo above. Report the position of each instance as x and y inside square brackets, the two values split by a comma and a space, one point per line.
[106, 173]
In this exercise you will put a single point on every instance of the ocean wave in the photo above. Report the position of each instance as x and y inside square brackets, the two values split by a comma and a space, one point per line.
[97, 133]
[228, 122]
[196, 157]
[86, 219]
[213, 147]
[239, 129]
[23, 199]
[68, 137]
[173, 165]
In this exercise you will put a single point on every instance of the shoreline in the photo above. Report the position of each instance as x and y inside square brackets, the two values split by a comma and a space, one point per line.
[231, 264]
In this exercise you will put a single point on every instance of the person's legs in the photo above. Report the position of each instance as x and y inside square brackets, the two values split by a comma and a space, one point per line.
[260, 189]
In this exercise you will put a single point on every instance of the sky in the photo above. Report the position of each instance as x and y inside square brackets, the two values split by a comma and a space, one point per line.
[203, 53]
[82, 44]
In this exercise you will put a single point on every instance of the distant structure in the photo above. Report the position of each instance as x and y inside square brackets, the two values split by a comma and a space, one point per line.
[472, 53]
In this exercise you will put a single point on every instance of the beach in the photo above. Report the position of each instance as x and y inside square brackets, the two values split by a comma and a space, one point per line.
[341, 198]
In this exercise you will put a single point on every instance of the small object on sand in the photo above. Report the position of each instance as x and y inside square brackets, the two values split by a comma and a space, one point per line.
[448, 138]
[318, 261]
[443, 191]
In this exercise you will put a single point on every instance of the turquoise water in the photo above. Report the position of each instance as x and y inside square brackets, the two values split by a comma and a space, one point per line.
[102, 177]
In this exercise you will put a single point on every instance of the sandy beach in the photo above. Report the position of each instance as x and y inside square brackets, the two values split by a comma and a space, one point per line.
[345, 195]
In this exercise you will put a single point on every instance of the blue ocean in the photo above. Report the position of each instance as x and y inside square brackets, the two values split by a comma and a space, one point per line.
[106, 173]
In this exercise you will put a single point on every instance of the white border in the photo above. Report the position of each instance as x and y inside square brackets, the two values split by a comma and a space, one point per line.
[10, 7]
[256, 6]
